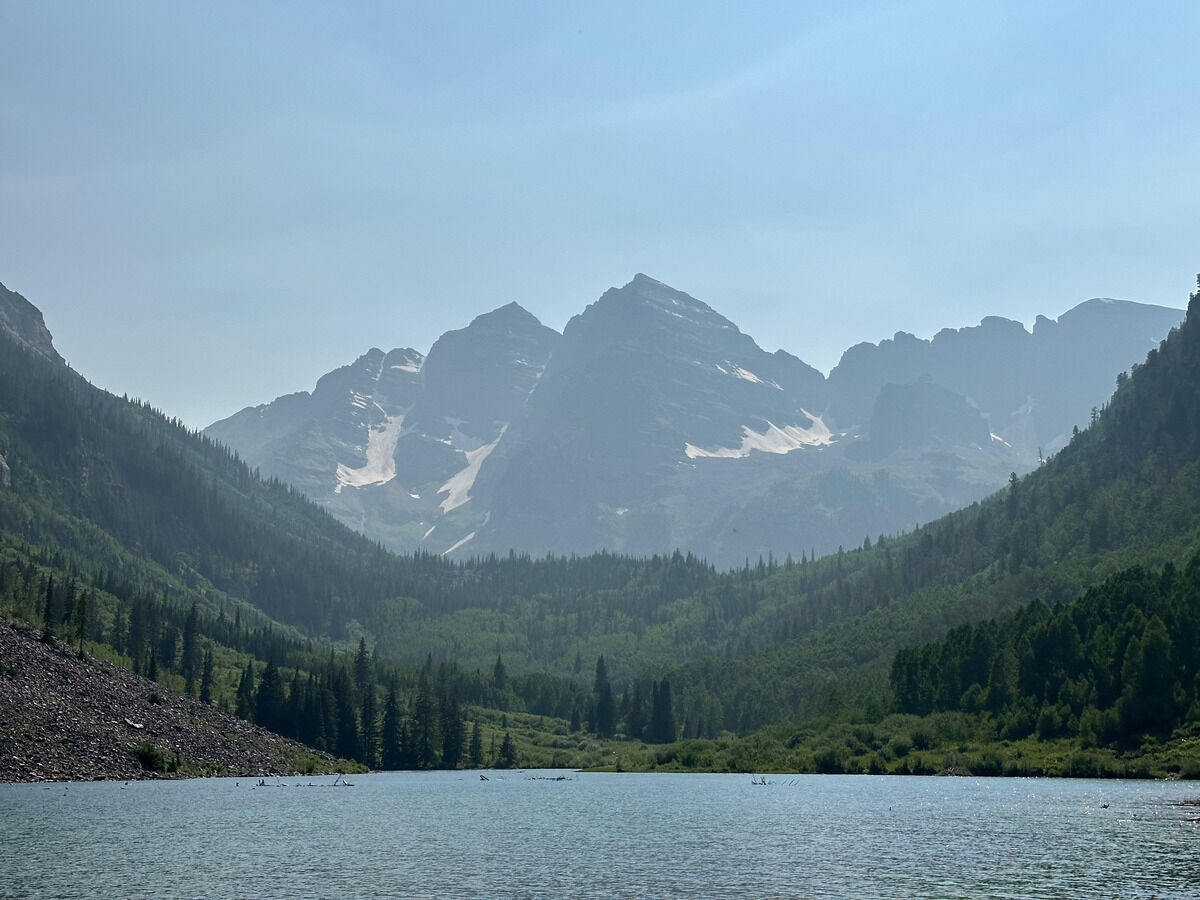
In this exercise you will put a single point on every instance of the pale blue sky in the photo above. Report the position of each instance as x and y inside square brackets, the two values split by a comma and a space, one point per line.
[215, 203]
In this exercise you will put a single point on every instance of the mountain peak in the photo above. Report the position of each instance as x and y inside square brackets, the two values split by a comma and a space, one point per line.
[23, 321]
[506, 317]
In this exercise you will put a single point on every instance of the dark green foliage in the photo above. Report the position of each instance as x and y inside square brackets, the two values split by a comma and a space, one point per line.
[661, 728]
[245, 692]
[369, 735]
[1114, 666]
[454, 738]
[153, 759]
[508, 753]
[604, 720]
[391, 736]
[270, 702]
[189, 662]
[206, 678]
[475, 754]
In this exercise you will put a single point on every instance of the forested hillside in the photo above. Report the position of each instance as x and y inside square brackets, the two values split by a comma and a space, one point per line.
[1125, 492]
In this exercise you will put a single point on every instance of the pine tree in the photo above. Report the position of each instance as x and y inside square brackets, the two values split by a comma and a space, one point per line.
[190, 660]
[662, 718]
[82, 611]
[269, 700]
[206, 679]
[453, 737]
[48, 612]
[344, 715]
[605, 723]
[369, 729]
[362, 667]
[508, 753]
[245, 692]
[635, 719]
[424, 727]
[475, 755]
[391, 736]
[499, 676]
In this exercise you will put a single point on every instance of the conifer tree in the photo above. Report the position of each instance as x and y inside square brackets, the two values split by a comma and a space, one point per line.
[508, 753]
[424, 727]
[83, 606]
[48, 612]
[391, 736]
[662, 718]
[206, 678]
[475, 755]
[369, 729]
[245, 692]
[499, 676]
[453, 737]
[343, 711]
[362, 667]
[269, 700]
[189, 662]
[605, 720]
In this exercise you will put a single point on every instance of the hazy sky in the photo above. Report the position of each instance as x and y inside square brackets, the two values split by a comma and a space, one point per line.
[215, 203]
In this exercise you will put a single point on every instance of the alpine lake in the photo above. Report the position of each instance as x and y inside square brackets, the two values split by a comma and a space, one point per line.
[568, 834]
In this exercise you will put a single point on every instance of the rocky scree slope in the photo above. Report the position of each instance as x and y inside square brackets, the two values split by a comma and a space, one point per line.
[67, 719]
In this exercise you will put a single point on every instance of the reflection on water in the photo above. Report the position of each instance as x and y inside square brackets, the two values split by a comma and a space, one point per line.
[454, 835]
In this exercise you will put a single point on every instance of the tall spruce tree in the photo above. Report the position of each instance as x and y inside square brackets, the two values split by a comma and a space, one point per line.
[606, 715]
[206, 677]
[189, 661]
[475, 754]
[369, 729]
[245, 692]
[453, 736]
[391, 735]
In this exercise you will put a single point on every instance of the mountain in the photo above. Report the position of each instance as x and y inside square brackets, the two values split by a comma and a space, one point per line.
[1032, 387]
[115, 519]
[1124, 493]
[23, 322]
[653, 423]
[394, 441]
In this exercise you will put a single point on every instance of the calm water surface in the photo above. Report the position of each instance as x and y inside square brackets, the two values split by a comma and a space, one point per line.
[453, 835]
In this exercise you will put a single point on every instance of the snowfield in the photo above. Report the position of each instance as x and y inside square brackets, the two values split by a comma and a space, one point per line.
[458, 488]
[773, 440]
[381, 457]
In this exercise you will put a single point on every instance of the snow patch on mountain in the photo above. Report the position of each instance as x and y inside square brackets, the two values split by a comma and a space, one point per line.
[381, 457]
[459, 486]
[458, 544]
[746, 375]
[773, 440]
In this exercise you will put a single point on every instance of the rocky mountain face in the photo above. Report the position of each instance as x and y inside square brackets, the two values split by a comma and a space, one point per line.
[23, 321]
[392, 443]
[653, 423]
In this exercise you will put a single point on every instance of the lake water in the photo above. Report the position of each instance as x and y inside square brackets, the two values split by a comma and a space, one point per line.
[452, 835]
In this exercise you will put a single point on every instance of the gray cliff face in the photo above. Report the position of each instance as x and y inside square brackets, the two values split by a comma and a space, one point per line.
[653, 423]
[23, 321]
[392, 443]
[1032, 388]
